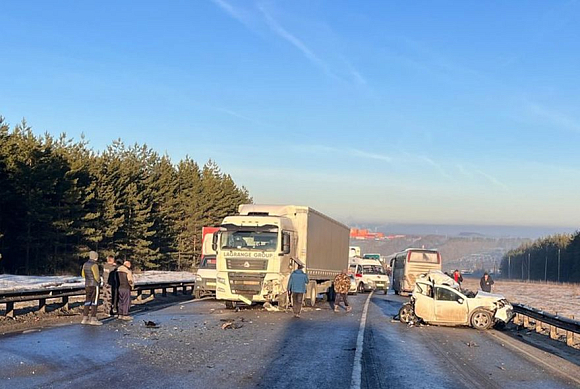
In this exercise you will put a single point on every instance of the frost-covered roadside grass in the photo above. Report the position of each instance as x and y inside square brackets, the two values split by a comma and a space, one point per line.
[9, 282]
[561, 299]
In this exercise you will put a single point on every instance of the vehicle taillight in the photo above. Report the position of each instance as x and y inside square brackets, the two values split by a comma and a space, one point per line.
[358, 275]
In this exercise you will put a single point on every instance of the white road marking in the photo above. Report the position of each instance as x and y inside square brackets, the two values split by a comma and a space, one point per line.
[357, 364]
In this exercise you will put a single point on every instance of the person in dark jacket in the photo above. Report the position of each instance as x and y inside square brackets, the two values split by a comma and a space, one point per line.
[297, 287]
[90, 272]
[125, 285]
[486, 283]
[109, 286]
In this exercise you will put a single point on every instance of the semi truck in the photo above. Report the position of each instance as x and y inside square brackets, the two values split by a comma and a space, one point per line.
[258, 249]
[206, 273]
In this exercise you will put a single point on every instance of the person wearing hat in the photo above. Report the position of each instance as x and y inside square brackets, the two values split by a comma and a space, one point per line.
[90, 272]
[297, 287]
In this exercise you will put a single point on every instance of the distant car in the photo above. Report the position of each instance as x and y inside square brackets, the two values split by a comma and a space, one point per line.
[437, 299]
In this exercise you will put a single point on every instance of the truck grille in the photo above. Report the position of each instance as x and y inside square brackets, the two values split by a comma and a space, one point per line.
[243, 283]
[246, 264]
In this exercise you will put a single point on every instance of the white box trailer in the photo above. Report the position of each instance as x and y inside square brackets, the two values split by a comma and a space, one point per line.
[260, 247]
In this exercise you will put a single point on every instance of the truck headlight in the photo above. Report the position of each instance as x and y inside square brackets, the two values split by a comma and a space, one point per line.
[197, 278]
[221, 280]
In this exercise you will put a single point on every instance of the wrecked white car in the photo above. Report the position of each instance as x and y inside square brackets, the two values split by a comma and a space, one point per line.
[437, 299]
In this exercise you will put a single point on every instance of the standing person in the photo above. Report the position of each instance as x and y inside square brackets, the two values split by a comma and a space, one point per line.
[125, 285]
[341, 288]
[108, 285]
[486, 283]
[297, 286]
[90, 272]
[458, 277]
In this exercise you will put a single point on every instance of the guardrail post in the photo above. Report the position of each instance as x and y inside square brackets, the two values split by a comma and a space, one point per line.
[184, 289]
[538, 326]
[139, 293]
[164, 292]
[175, 290]
[553, 332]
[65, 304]
[152, 293]
[10, 309]
[570, 337]
[42, 305]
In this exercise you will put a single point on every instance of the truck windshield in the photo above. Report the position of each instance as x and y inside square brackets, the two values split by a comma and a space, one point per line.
[250, 240]
[373, 269]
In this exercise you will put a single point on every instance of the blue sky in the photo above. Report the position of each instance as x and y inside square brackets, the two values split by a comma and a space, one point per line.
[373, 111]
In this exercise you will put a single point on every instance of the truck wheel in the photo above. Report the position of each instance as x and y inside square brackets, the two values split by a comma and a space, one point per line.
[361, 288]
[230, 304]
[481, 319]
[312, 294]
[406, 313]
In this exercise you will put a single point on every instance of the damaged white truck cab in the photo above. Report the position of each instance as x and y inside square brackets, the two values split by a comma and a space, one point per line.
[437, 299]
[259, 248]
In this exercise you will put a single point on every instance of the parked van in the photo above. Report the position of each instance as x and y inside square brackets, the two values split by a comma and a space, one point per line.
[369, 275]
[409, 264]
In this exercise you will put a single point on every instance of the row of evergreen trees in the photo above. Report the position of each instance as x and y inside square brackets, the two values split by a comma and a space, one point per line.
[59, 199]
[553, 258]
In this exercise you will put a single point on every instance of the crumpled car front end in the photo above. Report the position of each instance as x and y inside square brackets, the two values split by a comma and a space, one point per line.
[503, 310]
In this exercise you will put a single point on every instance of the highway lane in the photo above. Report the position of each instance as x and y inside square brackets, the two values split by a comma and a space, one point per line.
[269, 350]
[453, 357]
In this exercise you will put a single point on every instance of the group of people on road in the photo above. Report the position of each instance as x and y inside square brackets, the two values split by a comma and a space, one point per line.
[297, 287]
[116, 282]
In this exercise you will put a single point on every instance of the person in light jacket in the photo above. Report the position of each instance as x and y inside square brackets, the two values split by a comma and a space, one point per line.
[126, 283]
[297, 287]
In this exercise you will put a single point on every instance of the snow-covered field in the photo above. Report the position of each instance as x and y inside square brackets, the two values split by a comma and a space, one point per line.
[563, 299]
[9, 282]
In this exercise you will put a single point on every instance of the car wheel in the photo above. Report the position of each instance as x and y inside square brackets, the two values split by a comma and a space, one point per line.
[406, 313]
[481, 319]
[361, 288]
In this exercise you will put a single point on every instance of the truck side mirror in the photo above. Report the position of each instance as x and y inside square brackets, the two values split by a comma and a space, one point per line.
[286, 243]
[214, 242]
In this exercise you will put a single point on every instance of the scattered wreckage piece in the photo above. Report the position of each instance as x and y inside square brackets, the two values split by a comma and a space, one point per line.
[438, 299]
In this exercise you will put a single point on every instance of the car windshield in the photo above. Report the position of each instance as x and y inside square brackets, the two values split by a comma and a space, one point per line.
[250, 240]
[373, 269]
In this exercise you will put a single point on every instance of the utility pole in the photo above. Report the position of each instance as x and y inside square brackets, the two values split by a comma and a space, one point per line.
[529, 266]
[522, 268]
[546, 266]
[509, 267]
[558, 265]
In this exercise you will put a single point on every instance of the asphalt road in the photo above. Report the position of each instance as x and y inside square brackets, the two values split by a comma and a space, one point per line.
[274, 350]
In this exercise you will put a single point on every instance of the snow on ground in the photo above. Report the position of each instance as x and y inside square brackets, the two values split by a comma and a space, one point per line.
[9, 282]
[563, 299]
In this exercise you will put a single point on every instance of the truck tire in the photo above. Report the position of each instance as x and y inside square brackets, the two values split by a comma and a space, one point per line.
[312, 289]
[481, 319]
[406, 313]
[230, 304]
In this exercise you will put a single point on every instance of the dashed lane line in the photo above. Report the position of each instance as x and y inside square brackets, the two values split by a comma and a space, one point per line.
[357, 364]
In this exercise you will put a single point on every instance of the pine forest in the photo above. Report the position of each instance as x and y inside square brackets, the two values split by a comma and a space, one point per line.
[59, 199]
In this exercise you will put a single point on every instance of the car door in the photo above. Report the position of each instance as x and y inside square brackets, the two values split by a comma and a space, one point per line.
[424, 304]
[450, 306]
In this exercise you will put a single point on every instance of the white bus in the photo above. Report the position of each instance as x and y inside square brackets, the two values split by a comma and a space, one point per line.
[409, 264]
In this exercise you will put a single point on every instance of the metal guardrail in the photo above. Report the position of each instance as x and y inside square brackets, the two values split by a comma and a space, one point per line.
[555, 322]
[42, 295]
